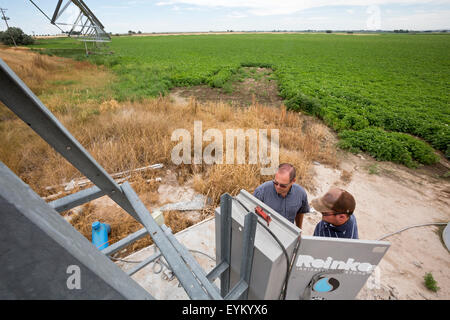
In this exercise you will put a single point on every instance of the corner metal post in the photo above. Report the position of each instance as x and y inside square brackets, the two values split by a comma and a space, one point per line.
[247, 250]
[240, 290]
[225, 241]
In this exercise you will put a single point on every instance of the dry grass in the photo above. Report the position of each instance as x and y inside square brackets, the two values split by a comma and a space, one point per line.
[346, 176]
[62, 84]
[176, 221]
[135, 134]
[34, 69]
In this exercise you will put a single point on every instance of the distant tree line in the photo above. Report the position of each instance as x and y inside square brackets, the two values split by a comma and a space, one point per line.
[131, 32]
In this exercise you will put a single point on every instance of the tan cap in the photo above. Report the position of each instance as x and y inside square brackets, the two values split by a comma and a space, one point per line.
[337, 200]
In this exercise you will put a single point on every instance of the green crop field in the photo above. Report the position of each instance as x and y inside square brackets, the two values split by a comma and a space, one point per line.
[385, 94]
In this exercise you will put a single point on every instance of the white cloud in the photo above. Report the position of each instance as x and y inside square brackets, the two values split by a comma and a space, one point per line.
[418, 21]
[115, 7]
[317, 18]
[164, 3]
[237, 15]
[270, 7]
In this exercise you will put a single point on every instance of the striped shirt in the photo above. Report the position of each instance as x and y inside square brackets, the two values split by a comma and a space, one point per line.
[348, 230]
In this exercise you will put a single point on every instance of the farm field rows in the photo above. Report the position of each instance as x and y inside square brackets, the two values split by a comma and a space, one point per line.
[384, 94]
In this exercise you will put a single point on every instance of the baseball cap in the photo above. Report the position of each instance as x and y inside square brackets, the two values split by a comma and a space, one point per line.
[336, 200]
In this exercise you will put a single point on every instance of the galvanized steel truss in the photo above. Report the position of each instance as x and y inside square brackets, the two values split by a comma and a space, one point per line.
[86, 26]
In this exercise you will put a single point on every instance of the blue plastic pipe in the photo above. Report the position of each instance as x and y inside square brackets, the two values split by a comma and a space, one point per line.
[100, 233]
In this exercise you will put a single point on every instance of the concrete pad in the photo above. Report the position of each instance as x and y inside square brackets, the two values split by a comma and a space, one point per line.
[199, 237]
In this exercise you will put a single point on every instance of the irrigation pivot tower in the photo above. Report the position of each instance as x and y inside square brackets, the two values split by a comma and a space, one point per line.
[81, 22]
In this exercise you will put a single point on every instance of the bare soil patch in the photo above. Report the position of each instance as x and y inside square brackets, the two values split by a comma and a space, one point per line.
[257, 86]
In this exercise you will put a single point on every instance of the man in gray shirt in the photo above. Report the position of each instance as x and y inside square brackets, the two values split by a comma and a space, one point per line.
[283, 195]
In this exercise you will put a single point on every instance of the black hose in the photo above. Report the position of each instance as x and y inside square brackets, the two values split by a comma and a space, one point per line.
[286, 279]
[297, 246]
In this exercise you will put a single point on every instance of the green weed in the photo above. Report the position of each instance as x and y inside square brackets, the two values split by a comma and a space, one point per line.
[430, 283]
[373, 169]
[63, 82]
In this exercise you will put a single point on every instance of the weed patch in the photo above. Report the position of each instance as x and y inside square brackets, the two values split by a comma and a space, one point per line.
[430, 283]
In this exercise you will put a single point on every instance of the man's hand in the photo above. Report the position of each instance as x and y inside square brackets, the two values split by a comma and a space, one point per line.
[299, 219]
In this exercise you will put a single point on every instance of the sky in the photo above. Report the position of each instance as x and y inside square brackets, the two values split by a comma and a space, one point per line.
[237, 15]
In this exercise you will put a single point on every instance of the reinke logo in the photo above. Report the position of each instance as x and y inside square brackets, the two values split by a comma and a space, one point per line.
[325, 284]
[307, 261]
